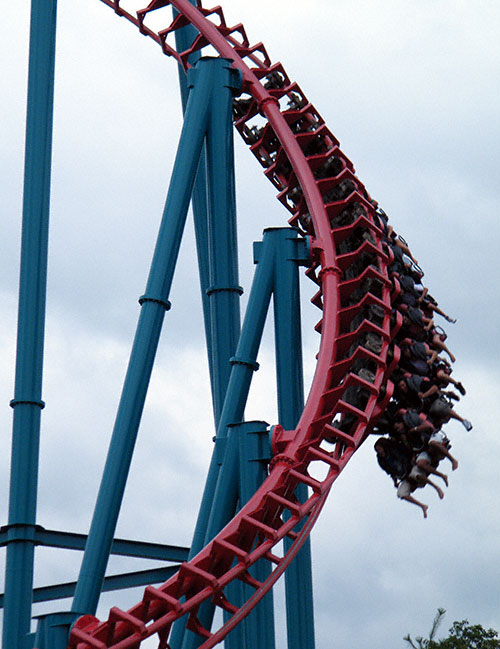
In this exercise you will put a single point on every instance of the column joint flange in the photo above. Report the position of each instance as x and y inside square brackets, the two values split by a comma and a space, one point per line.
[253, 365]
[166, 304]
[27, 402]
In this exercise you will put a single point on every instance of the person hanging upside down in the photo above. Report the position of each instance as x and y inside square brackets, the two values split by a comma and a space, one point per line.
[416, 480]
[439, 446]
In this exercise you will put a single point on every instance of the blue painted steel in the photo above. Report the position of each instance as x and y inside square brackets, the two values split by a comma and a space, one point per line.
[215, 224]
[27, 402]
[225, 306]
[224, 291]
[113, 582]
[218, 263]
[223, 272]
[298, 577]
[52, 630]
[154, 303]
[123, 547]
[244, 363]
[254, 456]
[183, 40]
[235, 591]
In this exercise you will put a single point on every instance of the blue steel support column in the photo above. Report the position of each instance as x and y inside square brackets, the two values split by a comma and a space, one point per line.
[218, 256]
[215, 225]
[224, 498]
[53, 630]
[254, 455]
[229, 238]
[298, 577]
[224, 291]
[27, 402]
[183, 39]
[154, 303]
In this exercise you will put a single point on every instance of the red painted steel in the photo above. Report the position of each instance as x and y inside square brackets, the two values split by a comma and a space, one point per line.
[317, 184]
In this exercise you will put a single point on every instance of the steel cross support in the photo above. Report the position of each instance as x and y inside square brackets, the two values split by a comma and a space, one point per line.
[184, 37]
[222, 506]
[206, 79]
[223, 292]
[27, 402]
[214, 207]
[280, 247]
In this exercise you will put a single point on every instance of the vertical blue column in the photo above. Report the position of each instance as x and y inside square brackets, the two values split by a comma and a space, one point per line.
[53, 630]
[254, 455]
[224, 291]
[292, 251]
[222, 506]
[183, 39]
[220, 266]
[215, 223]
[153, 306]
[27, 402]
[218, 256]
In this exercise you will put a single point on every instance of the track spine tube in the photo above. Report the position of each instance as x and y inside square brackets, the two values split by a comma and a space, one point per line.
[144, 349]
[27, 402]
[281, 144]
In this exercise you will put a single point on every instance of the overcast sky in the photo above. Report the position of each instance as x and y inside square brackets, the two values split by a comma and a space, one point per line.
[411, 91]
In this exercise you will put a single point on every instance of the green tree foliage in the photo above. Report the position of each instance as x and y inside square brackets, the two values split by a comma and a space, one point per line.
[462, 635]
[424, 643]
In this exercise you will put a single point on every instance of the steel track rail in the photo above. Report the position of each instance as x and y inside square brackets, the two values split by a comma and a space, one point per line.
[330, 205]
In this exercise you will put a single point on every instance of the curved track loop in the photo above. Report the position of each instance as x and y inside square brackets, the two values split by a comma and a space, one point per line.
[316, 183]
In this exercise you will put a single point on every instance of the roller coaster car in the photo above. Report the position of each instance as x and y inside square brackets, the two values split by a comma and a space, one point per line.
[353, 242]
[274, 80]
[331, 168]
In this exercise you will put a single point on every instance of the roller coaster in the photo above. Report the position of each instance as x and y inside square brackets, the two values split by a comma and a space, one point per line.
[263, 494]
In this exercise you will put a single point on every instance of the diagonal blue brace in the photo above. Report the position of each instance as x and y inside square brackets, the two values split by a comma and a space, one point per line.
[278, 257]
[223, 504]
[218, 257]
[154, 302]
[184, 38]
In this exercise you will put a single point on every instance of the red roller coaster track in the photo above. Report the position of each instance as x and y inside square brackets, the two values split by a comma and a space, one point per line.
[296, 149]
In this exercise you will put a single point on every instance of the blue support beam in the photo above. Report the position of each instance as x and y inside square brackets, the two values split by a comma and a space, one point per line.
[224, 291]
[292, 252]
[52, 631]
[218, 256]
[154, 303]
[222, 506]
[254, 454]
[123, 547]
[183, 40]
[113, 582]
[27, 402]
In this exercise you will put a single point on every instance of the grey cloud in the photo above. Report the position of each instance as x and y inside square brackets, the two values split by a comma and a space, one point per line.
[409, 93]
